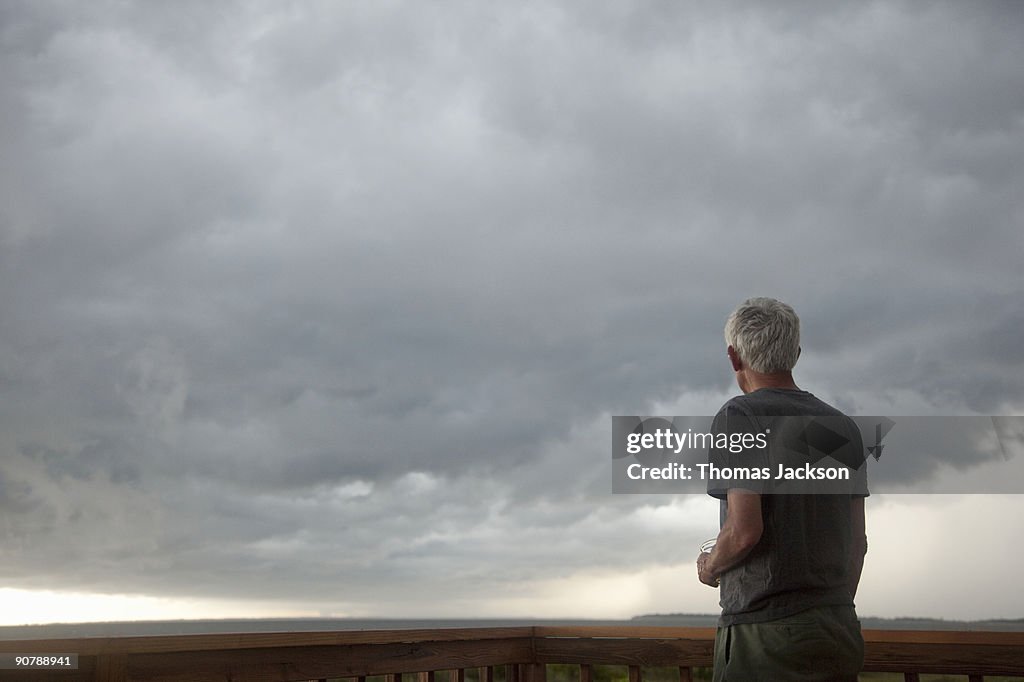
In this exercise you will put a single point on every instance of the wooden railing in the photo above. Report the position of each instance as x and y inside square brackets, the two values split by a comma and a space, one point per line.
[514, 654]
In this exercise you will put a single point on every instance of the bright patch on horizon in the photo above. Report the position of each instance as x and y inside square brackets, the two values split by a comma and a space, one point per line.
[36, 607]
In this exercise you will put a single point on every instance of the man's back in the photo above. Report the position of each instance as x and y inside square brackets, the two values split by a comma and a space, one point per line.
[803, 556]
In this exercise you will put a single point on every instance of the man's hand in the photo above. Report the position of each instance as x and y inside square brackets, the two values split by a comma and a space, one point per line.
[702, 571]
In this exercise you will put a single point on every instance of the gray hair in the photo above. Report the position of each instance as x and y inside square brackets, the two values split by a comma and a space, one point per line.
[766, 335]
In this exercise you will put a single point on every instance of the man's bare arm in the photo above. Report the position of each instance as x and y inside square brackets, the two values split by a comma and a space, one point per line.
[859, 544]
[740, 532]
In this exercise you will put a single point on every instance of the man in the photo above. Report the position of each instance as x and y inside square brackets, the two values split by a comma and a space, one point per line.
[788, 565]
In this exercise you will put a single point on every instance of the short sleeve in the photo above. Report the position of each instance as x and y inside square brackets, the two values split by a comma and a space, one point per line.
[735, 459]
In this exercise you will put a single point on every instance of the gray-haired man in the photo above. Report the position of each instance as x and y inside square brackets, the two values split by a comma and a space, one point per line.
[788, 564]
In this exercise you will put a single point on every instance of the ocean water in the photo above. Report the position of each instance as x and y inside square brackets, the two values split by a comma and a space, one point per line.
[193, 627]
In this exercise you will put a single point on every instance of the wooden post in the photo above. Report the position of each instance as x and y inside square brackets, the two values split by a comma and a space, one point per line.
[685, 674]
[634, 673]
[586, 673]
[535, 672]
[112, 668]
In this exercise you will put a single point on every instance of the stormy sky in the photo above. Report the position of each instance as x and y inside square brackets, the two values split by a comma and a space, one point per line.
[325, 307]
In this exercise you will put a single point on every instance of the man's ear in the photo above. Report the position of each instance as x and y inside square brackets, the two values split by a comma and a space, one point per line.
[734, 358]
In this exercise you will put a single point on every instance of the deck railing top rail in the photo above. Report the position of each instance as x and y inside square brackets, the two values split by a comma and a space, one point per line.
[151, 644]
[258, 640]
[288, 656]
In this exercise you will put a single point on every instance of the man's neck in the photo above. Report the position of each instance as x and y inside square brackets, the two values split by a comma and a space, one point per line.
[757, 380]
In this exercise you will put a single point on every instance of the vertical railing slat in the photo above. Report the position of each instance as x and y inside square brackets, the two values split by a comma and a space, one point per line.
[586, 673]
[634, 673]
[535, 672]
[685, 673]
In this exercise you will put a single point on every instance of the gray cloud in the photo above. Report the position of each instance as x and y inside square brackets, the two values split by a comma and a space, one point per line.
[266, 270]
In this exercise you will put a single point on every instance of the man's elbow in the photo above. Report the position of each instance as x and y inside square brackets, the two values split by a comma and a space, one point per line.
[748, 536]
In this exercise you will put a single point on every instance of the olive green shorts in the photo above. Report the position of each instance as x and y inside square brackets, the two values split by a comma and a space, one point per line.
[823, 644]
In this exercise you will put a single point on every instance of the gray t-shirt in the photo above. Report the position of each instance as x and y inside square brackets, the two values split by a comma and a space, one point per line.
[802, 558]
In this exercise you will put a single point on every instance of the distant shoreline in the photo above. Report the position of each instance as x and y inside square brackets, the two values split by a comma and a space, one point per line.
[867, 622]
[186, 627]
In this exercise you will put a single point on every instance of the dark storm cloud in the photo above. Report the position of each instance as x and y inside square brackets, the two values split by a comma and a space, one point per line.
[325, 281]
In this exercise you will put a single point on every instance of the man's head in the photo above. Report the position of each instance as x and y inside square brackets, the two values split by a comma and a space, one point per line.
[763, 336]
